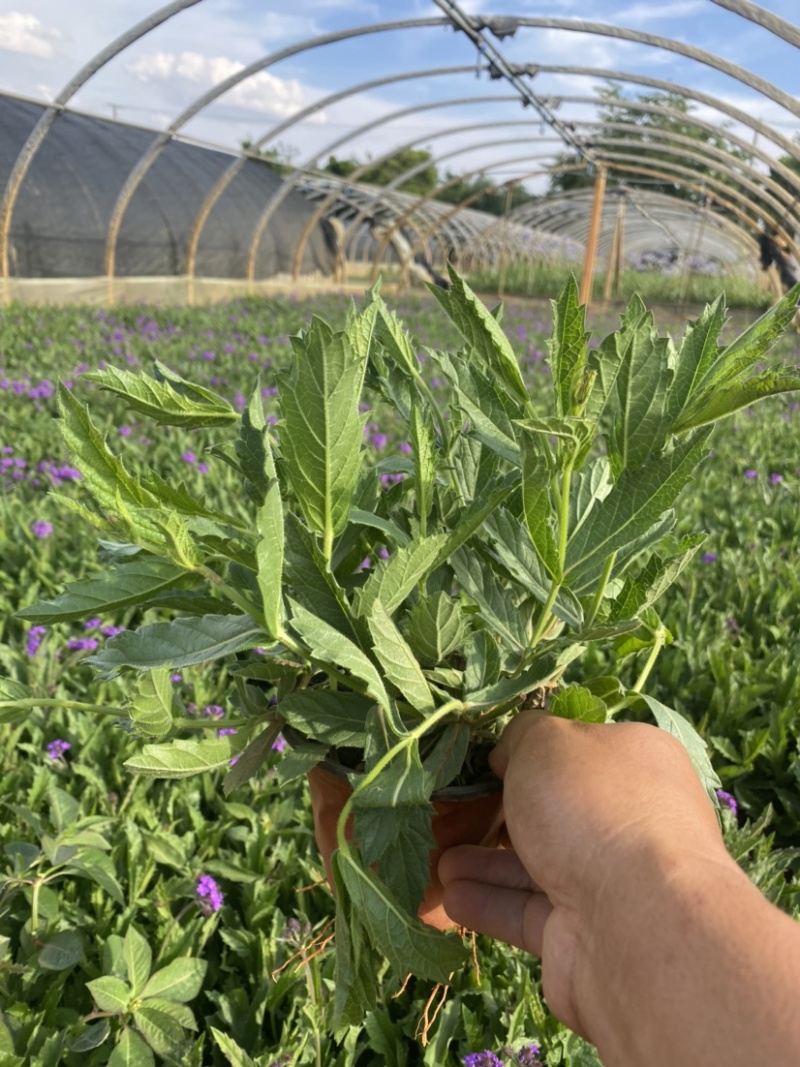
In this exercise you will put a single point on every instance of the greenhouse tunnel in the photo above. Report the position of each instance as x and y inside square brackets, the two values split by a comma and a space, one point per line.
[641, 170]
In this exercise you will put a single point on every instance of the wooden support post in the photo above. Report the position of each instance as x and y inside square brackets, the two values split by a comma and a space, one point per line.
[620, 250]
[613, 254]
[585, 295]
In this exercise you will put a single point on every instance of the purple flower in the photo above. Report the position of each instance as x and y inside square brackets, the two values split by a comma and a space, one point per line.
[125, 431]
[379, 440]
[406, 447]
[482, 1059]
[226, 731]
[710, 557]
[35, 635]
[92, 624]
[188, 457]
[210, 894]
[751, 475]
[279, 744]
[56, 749]
[214, 711]
[176, 678]
[82, 644]
[528, 1055]
[112, 631]
[202, 468]
[727, 801]
[41, 528]
[383, 552]
[365, 564]
[776, 479]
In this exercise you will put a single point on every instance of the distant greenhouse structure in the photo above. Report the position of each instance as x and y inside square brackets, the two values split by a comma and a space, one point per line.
[93, 208]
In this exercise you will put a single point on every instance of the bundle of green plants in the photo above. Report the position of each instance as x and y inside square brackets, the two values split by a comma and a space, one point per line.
[516, 535]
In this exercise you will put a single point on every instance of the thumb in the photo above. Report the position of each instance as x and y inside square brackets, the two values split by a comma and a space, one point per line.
[511, 738]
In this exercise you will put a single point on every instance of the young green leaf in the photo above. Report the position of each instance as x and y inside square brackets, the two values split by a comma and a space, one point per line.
[636, 502]
[151, 707]
[252, 449]
[160, 401]
[394, 578]
[398, 661]
[567, 346]
[131, 1051]
[235, 1055]
[543, 670]
[180, 643]
[96, 865]
[698, 352]
[110, 994]
[577, 702]
[310, 580]
[356, 960]
[407, 943]
[436, 627]
[123, 587]
[483, 403]
[424, 446]
[269, 554]
[715, 403]
[138, 957]
[537, 504]
[162, 1033]
[62, 951]
[446, 759]
[251, 759]
[391, 818]
[321, 428]
[328, 645]
[182, 759]
[496, 607]
[180, 980]
[685, 732]
[334, 718]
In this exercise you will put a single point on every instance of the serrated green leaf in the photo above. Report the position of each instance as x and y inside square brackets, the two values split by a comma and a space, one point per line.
[537, 504]
[377, 522]
[392, 818]
[321, 428]
[476, 514]
[151, 708]
[567, 346]
[496, 607]
[642, 382]
[333, 718]
[182, 759]
[110, 994]
[484, 334]
[94, 864]
[394, 578]
[509, 543]
[482, 402]
[328, 645]
[159, 401]
[588, 487]
[250, 761]
[103, 472]
[356, 961]
[123, 587]
[360, 326]
[407, 943]
[636, 502]
[424, 445]
[685, 732]
[446, 759]
[436, 627]
[577, 702]
[131, 1051]
[251, 449]
[269, 554]
[162, 1033]
[180, 643]
[138, 957]
[180, 980]
[655, 578]
[722, 400]
[543, 670]
[398, 661]
[299, 760]
[310, 580]
[62, 951]
[395, 339]
[698, 352]
[235, 1055]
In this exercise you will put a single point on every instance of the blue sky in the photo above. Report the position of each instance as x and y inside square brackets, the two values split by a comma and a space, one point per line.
[43, 43]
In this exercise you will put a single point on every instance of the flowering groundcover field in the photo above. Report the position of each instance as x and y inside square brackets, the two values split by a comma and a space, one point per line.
[146, 921]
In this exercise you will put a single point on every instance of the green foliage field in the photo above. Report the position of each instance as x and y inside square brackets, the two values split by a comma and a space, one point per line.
[108, 953]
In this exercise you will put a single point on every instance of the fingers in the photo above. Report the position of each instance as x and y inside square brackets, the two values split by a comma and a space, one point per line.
[492, 866]
[515, 916]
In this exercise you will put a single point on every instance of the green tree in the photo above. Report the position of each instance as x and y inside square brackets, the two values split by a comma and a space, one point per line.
[424, 181]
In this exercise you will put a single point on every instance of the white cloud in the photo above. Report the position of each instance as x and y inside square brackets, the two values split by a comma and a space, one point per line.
[638, 13]
[261, 92]
[26, 34]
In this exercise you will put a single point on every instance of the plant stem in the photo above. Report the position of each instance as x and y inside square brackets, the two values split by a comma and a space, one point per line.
[658, 644]
[55, 702]
[35, 887]
[601, 588]
[405, 742]
[546, 616]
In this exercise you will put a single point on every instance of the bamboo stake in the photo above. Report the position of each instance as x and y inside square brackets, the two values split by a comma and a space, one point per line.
[591, 239]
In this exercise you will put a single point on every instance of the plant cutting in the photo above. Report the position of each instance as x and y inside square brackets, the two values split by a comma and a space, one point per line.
[521, 528]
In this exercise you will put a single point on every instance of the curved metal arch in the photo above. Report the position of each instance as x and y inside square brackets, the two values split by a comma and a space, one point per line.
[662, 85]
[734, 192]
[406, 176]
[792, 177]
[26, 154]
[631, 169]
[230, 173]
[200, 103]
[668, 44]
[420, 201]
[774, 23]
[549, 212]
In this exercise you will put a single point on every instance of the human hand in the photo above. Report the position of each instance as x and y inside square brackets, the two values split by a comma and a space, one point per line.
[594, 814]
